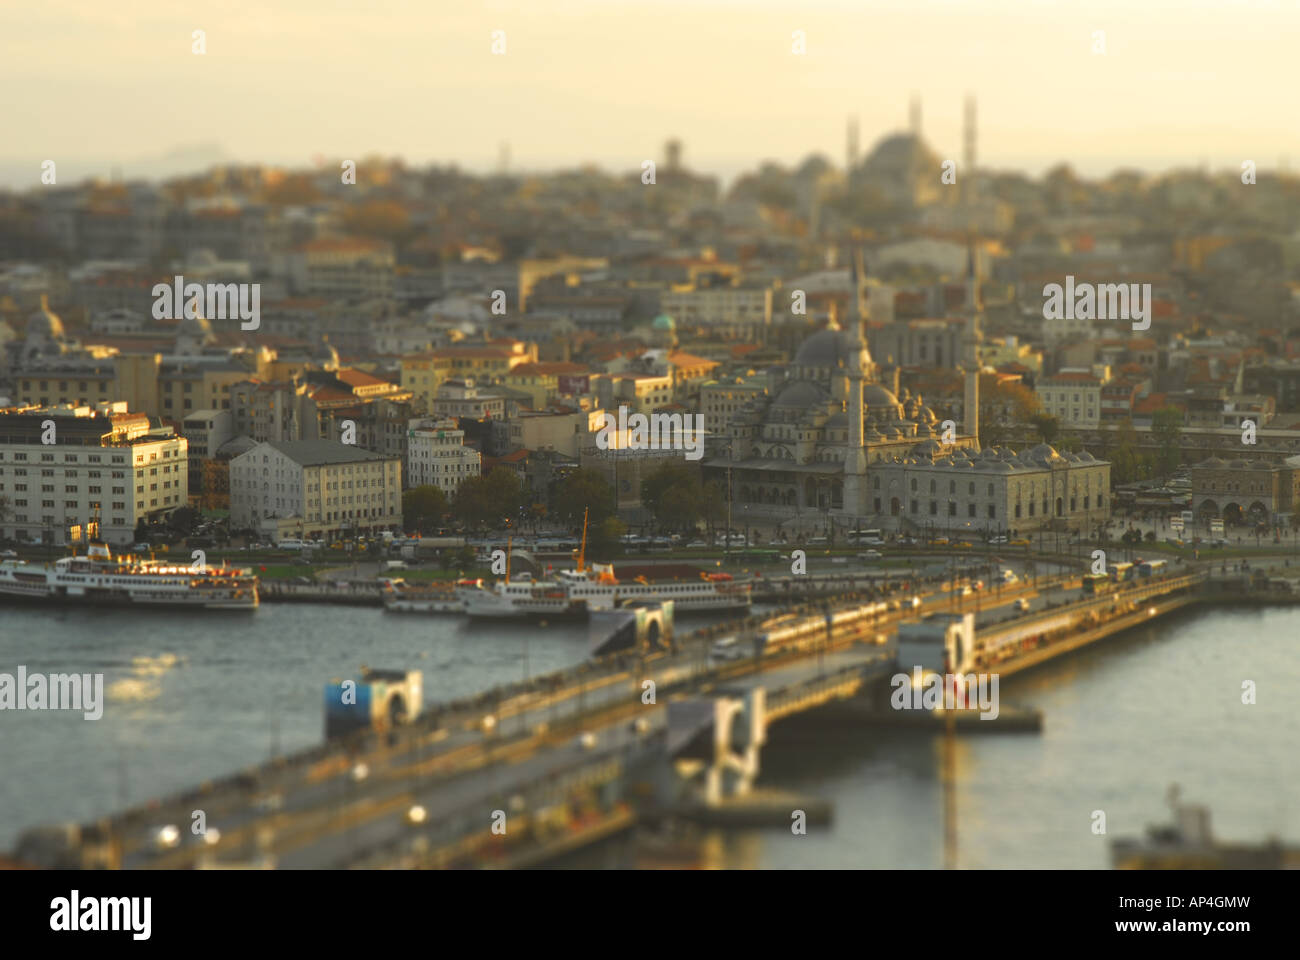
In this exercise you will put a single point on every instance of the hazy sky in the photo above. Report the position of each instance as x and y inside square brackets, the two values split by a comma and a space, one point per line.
[607, 81]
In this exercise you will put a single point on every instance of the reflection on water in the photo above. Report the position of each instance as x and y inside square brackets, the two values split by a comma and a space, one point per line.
[1121, 722]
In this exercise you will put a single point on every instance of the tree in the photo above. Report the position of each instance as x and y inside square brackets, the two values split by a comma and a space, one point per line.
[1047, 426]
[182, 519]
[604, 540]
[674, 495]
[1166, 431]
[680, 506]
[1124, 461]
[492, 500]
[1002, 405]
[583, 490]
[713, 505]
[423, 507]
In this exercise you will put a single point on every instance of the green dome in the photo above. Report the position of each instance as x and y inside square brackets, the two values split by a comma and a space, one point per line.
[664, 322]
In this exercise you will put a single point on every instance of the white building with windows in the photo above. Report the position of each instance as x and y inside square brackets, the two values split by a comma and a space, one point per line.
[719, 307]
[436, 455]
[65, 468]
[947, 489]
[1073, 397]
[315, 489]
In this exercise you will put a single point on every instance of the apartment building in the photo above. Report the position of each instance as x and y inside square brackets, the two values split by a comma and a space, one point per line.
[461, 398]
[720, 400]
[318, 489]
[1073, 397]
[436, 455]
[64, 468]
[736, 307]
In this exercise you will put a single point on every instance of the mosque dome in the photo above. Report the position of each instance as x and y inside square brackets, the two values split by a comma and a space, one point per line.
[873, 394]
[1043, 453]
[800, 393]
[823, 349]
[903, 154]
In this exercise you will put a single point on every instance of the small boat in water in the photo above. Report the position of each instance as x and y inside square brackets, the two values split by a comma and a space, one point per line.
[1188, 844]
[99, 578]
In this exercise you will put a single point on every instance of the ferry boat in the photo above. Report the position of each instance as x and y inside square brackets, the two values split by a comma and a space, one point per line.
[576, 593]
[99, 578]
[402, 597]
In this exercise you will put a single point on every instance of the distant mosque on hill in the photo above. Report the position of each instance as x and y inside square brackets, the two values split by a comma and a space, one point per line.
[830, 443]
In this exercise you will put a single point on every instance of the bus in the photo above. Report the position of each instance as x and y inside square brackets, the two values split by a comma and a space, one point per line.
[874, 537]
[1153, 568]
[1120, 571]
[1098, 583]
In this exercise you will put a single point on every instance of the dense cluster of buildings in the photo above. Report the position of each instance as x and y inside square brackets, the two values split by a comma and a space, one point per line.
[864, 344]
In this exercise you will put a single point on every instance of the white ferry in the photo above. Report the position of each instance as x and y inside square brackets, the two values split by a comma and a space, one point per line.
[575, 593]
[99, 578]
[401, 597]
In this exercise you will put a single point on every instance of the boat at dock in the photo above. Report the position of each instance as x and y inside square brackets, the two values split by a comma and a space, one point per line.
[100, 578]
[402, 597]
[575, 594]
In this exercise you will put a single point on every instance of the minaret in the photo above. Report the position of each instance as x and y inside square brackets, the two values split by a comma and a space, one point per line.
[914, 117]
[970, 341]
[968, 151]
[855, 456]
[851, 148]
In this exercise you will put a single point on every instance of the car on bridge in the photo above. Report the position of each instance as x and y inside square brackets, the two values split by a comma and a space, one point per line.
[1022, 605]
[870, 555]
[1019, 542]
[728, 648]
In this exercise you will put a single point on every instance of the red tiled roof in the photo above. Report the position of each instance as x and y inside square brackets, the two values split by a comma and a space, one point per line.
[683, 359]
[357, 378]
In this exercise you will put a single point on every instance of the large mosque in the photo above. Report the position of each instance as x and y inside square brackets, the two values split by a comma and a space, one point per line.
[830, 440]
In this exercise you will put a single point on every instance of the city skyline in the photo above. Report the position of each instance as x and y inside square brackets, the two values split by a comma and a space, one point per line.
[608, 84]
